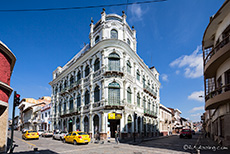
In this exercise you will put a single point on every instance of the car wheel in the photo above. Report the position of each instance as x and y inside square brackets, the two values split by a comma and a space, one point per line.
[86, 142]
[64, 141]
[53, 138]
[180, 136]
[75, 142]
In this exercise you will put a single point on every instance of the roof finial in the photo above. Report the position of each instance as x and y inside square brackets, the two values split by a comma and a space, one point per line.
[123, 12]
[91, 19]
[103, 9]
[132, 27]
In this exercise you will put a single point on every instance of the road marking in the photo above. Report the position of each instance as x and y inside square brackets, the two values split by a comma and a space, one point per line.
[25, 141]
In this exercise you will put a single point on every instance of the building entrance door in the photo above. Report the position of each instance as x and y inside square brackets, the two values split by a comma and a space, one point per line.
[114, 126]
[70, 125]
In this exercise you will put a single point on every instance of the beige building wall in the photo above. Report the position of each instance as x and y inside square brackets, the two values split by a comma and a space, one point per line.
[3, 128]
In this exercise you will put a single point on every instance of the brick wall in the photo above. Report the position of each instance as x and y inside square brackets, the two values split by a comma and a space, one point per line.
[4, 68]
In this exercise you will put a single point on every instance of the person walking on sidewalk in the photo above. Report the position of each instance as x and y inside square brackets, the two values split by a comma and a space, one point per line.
[116, 137]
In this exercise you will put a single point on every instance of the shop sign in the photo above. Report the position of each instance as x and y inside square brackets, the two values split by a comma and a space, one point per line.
[114, 116]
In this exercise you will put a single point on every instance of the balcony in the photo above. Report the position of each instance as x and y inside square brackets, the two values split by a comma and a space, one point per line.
[86, 107]
[217, 97]
[150, 91]
[97, 75]
[114, 104]
[98, 104]
[214, 57]
[149, 113]
[110, 72]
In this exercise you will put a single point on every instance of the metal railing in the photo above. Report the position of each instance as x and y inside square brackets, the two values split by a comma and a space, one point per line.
[209, 53]
[217, 91]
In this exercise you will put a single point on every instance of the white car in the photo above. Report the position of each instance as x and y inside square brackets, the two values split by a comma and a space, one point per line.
[40, 131]
[60, 135]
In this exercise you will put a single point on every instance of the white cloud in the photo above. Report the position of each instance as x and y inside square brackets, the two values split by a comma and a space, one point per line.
[177, 72]
[164, 77]
[192, 64]
[196, 96]
[196, 115]
[136, 12]
[196, 109]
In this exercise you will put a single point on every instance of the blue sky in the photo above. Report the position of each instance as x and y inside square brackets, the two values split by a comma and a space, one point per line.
[169, 36]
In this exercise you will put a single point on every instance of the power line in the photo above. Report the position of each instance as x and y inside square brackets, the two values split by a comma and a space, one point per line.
[82, 7]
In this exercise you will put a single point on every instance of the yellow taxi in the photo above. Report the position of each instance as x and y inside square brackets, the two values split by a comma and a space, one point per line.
[30, 134]
[77, 137]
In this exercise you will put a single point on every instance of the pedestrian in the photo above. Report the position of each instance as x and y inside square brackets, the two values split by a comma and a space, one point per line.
[116, 137]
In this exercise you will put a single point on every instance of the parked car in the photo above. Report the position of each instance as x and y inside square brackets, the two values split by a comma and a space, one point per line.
[30, 134]
[24, 130]
[60, 135]
[47, 134]
[193, 132]
[40, 131]
[77, 137]
[186, 133]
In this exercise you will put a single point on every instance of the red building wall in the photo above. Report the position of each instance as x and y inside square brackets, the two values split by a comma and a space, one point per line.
[5, 72]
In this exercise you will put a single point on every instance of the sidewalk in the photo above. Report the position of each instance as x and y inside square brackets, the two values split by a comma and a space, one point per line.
[208, 146]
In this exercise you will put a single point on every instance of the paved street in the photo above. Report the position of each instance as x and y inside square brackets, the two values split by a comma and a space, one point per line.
[172, 144]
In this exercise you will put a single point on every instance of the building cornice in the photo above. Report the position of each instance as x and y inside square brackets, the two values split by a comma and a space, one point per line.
[6, 86]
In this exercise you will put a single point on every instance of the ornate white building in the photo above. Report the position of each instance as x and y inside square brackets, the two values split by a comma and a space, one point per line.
[105, 84]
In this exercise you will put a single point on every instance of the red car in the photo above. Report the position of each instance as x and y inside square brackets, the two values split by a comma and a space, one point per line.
[186, 133]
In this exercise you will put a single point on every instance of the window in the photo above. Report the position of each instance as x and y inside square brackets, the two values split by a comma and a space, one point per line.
[114, 93]
[129, 67]
[87, 99]
[138, 75]
[227, 80]
[128, 41]
[78, 75]
[114, 34]
[129, 95]
[96, 94]
[144, 81]
[138, 99]
[71, 103]
[59, 108]
[71, 80]
[86, 70]
[65, 107]
[129, 124]
[97, 39]
[65, 84]
[144, 103]
[78, 100]
[42, 116]
[46, 114]
[114, 62]
[60, 88]
[49, 113]
[96, 65]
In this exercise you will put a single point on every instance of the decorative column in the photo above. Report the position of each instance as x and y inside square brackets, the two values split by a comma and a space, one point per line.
[81, 123]
[90, 124]
[103, 15]
[124, 24]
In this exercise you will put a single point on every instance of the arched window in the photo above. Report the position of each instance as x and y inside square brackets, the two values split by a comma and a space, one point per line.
[144, 81]
[128, 41]
[71, 103]
[59, 108]
[138, 99]
[86, 70]
[96, 64]
[129, 66]
[114, 62]
[86, 124]
[96, 94]
[144, 103]
[129, 93]
[153, 87]
[64, 107]
[97, 39]
[129, 124]
[78, 75]
[87, 99]
[78, 100]
[56, 90]
[138, 75]
[149, 105]
[71, 80]
[114, 34]
[114, 94]
[77, 124]
[60, 88]
[65, 84]
[55, 109]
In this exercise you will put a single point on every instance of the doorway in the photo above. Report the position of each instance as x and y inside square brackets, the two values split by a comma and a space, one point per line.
[70, 125]
[114, 126]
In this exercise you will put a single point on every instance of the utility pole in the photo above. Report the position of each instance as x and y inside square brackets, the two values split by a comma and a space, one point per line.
[16, 102]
